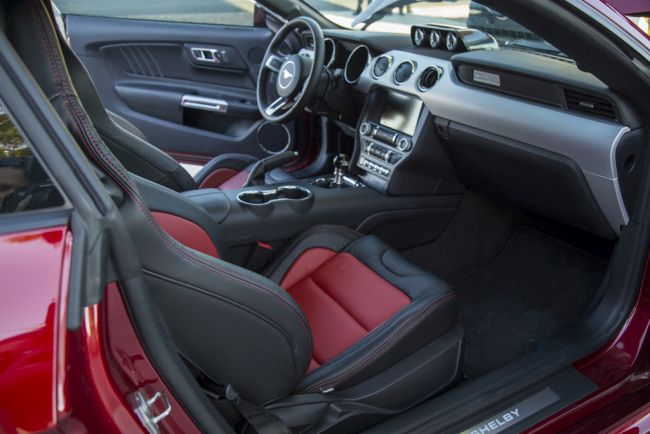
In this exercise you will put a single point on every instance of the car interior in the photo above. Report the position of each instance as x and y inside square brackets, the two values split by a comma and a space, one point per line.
[384, 231]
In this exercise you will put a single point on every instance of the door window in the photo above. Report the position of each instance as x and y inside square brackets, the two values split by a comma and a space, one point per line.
[225, 12]
[24, 184]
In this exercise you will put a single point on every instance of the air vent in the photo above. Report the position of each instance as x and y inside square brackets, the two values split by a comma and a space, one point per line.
[404, 71]
[429, 78]
[591, 104]
[381, 66]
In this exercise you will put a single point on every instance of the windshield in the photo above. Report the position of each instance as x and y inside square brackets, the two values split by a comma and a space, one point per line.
[398, 16]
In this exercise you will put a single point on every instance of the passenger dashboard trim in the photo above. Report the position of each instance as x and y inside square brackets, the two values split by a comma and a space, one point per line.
[590, 142]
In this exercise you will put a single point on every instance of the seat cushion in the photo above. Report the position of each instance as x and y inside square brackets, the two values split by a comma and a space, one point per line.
[367, 307]
[342, 298]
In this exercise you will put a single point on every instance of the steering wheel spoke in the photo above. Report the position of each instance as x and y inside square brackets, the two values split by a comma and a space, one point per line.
[274, 62]
[295, 77]
[277, 105]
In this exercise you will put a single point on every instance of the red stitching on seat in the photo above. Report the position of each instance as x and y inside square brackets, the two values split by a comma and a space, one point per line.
[377, 352]
[114, 171]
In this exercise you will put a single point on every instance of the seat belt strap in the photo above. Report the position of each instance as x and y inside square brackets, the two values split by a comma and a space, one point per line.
[262, 420]
[259, 418]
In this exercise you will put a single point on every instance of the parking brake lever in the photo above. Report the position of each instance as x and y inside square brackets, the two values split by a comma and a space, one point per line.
[265, 165]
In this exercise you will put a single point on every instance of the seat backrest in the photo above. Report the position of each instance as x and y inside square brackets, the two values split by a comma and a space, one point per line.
[132, 150]
[236, 326]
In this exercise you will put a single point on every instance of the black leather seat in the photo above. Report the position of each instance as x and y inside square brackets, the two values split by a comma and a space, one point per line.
[130, 145]
[337, 318]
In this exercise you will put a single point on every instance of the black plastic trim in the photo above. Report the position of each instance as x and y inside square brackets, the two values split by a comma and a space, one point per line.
[25, 221]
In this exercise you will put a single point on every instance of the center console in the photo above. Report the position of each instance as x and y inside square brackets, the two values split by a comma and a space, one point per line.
[398, 185]
[398, 152]
[386, 142]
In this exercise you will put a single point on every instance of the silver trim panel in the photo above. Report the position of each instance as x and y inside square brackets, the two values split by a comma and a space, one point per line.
[204, 103]
[590, 142]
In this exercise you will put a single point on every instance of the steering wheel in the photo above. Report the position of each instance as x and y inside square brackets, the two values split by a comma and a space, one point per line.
[295, 76]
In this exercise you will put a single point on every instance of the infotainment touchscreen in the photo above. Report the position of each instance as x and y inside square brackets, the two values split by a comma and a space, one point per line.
[401, 113]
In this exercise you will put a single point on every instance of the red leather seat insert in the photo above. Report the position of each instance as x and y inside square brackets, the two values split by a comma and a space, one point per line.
[342, 299]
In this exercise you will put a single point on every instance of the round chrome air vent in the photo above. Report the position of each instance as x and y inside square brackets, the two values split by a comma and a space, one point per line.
[418, 37]
[381, 66]
[429, 78]
[404, 71]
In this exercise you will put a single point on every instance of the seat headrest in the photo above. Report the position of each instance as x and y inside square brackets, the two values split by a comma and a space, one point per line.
[31, 30]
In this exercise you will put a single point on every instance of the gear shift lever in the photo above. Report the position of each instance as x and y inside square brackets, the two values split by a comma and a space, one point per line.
[341, 166]
[340, 177]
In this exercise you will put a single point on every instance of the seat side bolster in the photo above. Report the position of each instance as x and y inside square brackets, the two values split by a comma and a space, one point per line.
[236, 162]
[414, 327]
[334, 238]
[432, 311]
[393, 267]
[163, 200]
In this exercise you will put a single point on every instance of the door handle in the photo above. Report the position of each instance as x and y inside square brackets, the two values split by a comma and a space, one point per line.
[204, 103]
[210, 55]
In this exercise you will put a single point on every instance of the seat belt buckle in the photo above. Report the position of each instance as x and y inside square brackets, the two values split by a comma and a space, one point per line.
[230, 393]
[259, 256]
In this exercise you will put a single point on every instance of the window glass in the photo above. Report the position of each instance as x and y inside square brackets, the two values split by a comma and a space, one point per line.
[230, 12]
[642, 22]
[399, 16]
[24, 185]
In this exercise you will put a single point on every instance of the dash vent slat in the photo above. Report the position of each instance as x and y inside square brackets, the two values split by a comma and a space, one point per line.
[590, 104]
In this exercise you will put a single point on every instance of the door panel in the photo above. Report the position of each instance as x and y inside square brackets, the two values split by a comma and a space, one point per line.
[144, 69]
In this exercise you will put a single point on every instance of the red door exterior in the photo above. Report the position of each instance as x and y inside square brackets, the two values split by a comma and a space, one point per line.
[53, 379]
[34, 268]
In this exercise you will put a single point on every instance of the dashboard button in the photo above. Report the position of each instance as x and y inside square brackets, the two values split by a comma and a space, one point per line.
[404, 144]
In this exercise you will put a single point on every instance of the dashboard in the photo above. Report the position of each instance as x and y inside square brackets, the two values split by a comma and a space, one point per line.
[529, 127]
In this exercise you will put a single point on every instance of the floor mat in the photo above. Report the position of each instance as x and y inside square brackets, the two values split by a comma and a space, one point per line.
[536, 287]
[475, 236]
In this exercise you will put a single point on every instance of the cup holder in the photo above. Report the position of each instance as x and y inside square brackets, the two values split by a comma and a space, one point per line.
[285, 193]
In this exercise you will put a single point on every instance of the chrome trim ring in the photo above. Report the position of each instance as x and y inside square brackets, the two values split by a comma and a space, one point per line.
[390, 64]
[347, 63]
[413, 64]
[419, 80]
[286, 130]
[330, 62]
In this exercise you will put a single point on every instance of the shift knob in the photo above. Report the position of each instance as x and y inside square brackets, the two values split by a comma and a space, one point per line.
[341, 161]
[341, 165]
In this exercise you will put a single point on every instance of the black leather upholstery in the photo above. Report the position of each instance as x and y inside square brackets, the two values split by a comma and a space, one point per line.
[138, 156]
[126, 125]
[130, 145]
[231, 161]
[168, 201]
[432, 312]
[237, 326]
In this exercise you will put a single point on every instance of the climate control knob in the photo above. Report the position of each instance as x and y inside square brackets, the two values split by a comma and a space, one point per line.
[365, 129]
[404, 144]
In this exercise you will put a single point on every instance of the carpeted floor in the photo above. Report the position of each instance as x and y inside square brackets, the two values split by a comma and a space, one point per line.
[515, 284]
